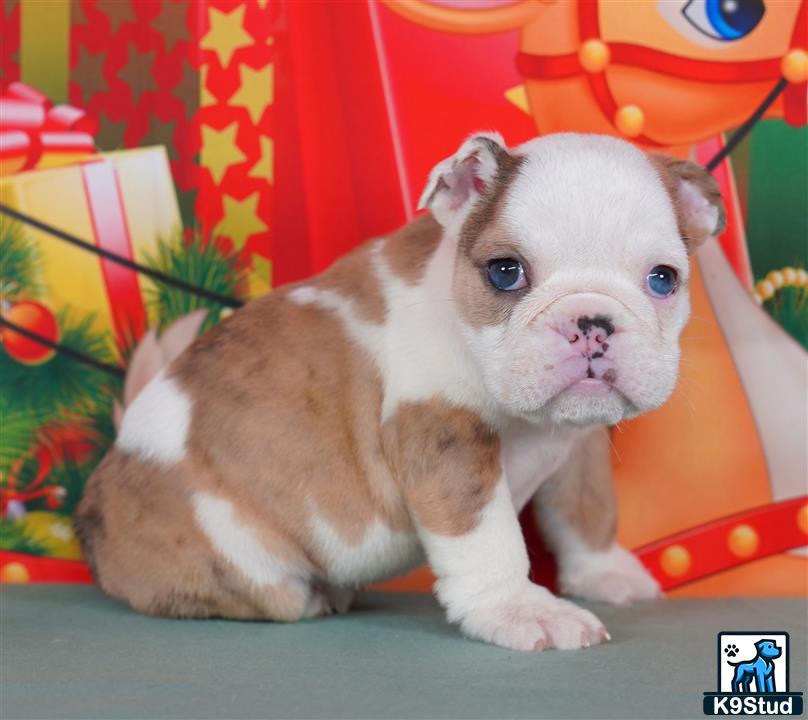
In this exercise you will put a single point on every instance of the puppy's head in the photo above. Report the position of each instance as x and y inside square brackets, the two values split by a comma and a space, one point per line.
[572, 270]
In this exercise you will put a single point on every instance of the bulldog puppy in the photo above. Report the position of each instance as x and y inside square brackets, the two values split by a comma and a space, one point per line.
[409, 401]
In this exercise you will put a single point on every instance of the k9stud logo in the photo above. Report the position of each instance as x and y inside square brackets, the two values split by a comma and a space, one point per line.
[753, 676]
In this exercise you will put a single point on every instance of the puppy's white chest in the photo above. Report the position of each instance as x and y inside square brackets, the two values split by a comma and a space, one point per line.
[530, 455]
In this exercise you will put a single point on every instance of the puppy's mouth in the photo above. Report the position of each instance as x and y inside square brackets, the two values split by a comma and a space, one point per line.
[592, 398]
[593, 386]
[585, 401]
[597, 377]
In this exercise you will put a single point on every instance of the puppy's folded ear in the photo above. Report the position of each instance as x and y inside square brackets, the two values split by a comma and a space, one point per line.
[696, 199]
[456, 183]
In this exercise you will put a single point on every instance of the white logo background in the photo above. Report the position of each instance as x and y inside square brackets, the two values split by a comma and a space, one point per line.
[747, 652]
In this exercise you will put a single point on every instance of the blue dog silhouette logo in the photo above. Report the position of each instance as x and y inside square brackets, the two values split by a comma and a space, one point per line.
[753, 676]
[759, 670]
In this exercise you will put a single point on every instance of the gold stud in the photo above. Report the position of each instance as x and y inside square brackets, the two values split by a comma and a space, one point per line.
[794, 66]
[630, 120]
[594, 56]
[675, 560]
[802, 519]
[743, 541]
[14, 572]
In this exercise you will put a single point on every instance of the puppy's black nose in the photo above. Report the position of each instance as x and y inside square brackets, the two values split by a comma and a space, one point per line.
[588, 334]
[600, 322]
[598, 326]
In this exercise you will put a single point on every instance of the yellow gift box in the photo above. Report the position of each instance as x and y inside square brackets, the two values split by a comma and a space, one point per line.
[122, 202]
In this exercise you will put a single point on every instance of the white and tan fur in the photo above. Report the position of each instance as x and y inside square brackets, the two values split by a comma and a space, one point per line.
[397, 407]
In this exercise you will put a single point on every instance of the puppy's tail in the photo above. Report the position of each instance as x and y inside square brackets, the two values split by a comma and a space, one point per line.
[153, 353]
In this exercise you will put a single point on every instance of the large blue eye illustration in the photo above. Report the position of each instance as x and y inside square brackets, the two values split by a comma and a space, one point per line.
[724, 19]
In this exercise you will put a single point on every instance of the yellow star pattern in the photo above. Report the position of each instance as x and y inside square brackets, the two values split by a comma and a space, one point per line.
[260, 279]
[264, 168]
[241, 219]
[257, 90]
[206, 97]
[518, 96]
[226, 33]
[219, 150]
[262, 4]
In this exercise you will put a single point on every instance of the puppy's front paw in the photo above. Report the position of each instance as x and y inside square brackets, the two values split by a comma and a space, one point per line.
[533, 619]
[616, 577]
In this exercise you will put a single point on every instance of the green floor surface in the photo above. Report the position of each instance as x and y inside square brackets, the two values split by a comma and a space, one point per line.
[68, 652]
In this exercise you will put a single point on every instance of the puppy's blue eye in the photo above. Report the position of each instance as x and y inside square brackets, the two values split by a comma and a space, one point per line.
[507, 274]
[724, 19]
[662, 281]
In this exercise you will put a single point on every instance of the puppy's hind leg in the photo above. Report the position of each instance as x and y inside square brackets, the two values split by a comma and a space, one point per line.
[172, 552]
[198, 581]
[281, 603]
[267, 576]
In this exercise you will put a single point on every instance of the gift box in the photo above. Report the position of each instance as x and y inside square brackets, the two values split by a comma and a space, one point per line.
[120, 201]
[195, 77]
[72, 311]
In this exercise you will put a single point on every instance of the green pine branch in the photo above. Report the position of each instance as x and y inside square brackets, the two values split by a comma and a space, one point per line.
[201, 262]
[60, 390]
[18, 428]
[95, 429]
[14, 537]
[71, 477]
[62, 383]
[20, 265]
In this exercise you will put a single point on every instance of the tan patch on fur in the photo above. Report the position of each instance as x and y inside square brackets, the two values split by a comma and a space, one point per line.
[448, 462]
[300, 406]
[673, 170]
[408, 250]
[479, 303]
[139, 535]
[353, 277]
[286, 427]
[582, 493]
[487, 208]
[482, 239]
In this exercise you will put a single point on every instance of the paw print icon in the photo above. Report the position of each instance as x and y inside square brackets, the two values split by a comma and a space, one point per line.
[731, 650]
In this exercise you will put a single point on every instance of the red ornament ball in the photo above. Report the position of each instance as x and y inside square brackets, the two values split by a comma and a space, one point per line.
[38, 319]
[53, 501]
